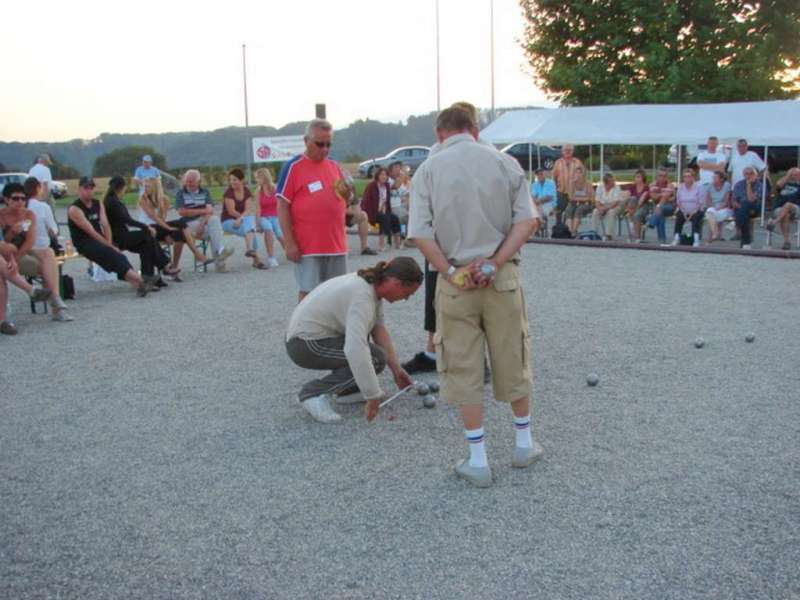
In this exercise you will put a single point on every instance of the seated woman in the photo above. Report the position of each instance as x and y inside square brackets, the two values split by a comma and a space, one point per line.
[580, 201]
[638, 207]
[375, 202]
[608, 201]
[718, 201]
[28, 242]
[142, 242]
[91, 236]
[690, 201]
[239, 214]
[153, 209]
[662, 195]
[267, 214]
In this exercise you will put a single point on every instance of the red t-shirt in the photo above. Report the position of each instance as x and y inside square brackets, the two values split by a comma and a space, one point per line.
[318, 214]
[269, 204]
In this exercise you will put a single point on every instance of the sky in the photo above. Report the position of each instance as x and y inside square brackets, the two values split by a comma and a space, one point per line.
[87, 67]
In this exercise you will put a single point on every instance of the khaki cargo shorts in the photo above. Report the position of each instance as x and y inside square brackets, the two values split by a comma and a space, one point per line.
[467, 321]
[29, 265]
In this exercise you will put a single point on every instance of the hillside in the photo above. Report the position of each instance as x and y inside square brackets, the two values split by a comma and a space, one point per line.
[225, 146]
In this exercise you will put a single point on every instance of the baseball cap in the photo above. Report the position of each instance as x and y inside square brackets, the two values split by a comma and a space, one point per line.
[147, 158]
[86, 181]
[45, 157]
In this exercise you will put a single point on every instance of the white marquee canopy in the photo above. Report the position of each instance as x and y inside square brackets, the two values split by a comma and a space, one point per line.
[775, 123]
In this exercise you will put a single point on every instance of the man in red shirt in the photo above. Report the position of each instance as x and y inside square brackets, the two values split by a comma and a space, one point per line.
[311, 213]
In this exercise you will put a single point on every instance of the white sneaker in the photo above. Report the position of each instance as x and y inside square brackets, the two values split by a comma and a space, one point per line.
[696, 244]
[319, 407]
[675, 241]
[747, 247]
[272, 262]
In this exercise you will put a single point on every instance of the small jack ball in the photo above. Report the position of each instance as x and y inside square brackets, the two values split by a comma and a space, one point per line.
[422, 389]
[434, 387]
[699, 343]
[592, 379]
[750, 338]
[429, 401]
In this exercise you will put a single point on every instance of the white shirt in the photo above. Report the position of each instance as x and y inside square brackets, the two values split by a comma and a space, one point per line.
[741, 161]
[44, 222]
[41, 172]
[718, 157]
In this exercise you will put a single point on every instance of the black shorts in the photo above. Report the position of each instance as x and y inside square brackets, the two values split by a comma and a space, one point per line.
[389, 224]
[430, 294]
[176, 236]
[108, 258]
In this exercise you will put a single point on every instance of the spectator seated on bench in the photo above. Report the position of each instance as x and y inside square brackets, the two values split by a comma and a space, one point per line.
[718, 200]
[581, 200]
[153, 209]
[608, 202]
[91, 236]
[544, 194]
[690, 200]
[239, 214]
[787, 205]
[746, 201]
[10, 274]
[30, 242]
[662, 196]
[638, 205]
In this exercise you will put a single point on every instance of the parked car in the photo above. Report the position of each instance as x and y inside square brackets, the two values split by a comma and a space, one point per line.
[58, 189]
[527, 155]
[781, 158]
[410, 156]
[11, 178]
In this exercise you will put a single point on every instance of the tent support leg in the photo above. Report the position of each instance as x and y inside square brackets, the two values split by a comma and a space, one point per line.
[764, 185]
[602, 163]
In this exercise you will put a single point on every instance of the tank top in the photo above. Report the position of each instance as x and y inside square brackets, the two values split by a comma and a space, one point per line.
[269, 203]
[92, 214]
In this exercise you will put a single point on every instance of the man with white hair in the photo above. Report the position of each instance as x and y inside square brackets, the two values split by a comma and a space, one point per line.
[196, 207]
[311, 212]
[41, 171]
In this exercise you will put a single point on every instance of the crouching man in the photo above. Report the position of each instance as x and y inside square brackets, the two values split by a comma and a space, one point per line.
[339, 327]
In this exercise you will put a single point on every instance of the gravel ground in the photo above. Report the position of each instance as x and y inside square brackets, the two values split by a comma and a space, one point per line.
[161, 453]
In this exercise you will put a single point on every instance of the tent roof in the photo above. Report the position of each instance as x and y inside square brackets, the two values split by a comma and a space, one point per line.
[776, 123]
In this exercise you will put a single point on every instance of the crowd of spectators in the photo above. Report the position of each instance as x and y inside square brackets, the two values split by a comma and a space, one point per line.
[722, 190]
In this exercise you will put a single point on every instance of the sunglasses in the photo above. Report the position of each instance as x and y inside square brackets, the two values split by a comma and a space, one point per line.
[322, 144]
[17, 198]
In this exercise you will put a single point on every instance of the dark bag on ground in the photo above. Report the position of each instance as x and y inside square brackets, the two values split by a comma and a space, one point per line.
[686, 240]
[560, 231]
[67, 287]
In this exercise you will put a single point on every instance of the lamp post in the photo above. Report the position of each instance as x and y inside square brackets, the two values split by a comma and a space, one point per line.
[438, 80]
[491, 42]
[248, 145]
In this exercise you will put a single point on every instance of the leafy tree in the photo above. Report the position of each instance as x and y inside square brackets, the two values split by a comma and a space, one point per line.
[123, 161]
[586, 52]
[61, 171]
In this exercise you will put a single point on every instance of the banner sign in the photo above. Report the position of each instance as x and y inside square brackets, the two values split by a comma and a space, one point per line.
[277, 149]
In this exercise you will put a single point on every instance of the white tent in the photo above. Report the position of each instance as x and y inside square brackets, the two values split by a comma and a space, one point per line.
[775, 123]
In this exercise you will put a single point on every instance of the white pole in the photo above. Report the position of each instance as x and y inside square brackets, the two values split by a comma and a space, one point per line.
[246, 114]
[654, 162]
[530, 162]
[764, 185]
[491, 37]
[602, 159]
[678, 174]
[539, 156]
[438, 79]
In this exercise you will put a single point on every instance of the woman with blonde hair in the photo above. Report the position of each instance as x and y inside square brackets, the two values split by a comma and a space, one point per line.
[153, 209]
[267, 214]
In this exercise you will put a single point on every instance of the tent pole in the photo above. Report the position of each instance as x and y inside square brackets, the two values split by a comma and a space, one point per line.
[764, 184]
[591, 161]
[602, 165]
[538, 156]
[530, 161]
[654, 162]
[678, 174]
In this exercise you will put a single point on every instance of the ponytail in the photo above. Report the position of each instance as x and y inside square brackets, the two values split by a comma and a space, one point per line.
[403, 268]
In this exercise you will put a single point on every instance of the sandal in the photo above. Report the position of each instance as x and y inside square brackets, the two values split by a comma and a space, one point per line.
[260, 266]
[250, 254]
[171, 271]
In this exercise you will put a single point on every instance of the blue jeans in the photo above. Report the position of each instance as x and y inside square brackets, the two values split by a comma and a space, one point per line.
[659, 220]
[271, 224]
[742, 216]
[248, 225]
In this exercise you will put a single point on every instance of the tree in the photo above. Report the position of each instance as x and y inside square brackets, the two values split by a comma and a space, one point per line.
[61, 171]
[123, 161]
[587, 52]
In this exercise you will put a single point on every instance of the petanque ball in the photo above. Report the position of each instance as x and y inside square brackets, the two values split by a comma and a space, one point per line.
[750, 338]
[699, 343]
[433, 387]
[429, 401]
[592, 379]
[422, 388]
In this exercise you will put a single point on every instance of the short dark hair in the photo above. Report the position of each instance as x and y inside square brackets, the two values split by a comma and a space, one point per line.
[238, 173]
[31, 186]
[713, 137]
[115, 185]
[741, 141]
[643, 174]
[454, 119]
[403, 268]
[12, 187]
[394, 164]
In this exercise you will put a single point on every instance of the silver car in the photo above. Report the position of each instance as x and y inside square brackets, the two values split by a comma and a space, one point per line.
[411, 157]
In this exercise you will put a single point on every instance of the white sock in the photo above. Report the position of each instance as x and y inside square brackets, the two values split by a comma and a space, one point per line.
[522, 426]
[696, 237]
[431, 355]
[677, 237]
[477, 447]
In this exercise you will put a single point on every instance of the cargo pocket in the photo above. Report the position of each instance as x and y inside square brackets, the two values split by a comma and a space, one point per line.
[506, 285]
[526, 349]
[441, 357]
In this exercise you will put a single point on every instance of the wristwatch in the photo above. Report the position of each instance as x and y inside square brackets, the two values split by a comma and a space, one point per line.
[451, 271]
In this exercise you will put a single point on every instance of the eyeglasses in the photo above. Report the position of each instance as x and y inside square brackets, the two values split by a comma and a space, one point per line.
[17, 198]
[322, 144]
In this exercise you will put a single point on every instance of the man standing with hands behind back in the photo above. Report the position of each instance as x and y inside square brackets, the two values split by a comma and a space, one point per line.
[471, 212]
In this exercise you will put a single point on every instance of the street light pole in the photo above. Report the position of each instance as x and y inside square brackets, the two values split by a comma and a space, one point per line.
[491, 38]
[246, 114]
[438, 79]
